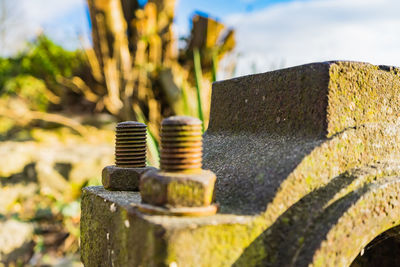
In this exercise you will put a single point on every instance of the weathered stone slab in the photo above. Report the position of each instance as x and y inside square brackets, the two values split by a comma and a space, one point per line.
[307, 163]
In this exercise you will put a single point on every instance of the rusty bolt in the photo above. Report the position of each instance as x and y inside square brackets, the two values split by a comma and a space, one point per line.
[181, 187]
[181, 144]
[130, 158]
[130, 145]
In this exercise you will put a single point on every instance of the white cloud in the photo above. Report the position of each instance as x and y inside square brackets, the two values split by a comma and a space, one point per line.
[27, 18]
[46, 10]
[299, 32]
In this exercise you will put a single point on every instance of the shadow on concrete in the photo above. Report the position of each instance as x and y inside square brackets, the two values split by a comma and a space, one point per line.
[383, 251]
[302, 228]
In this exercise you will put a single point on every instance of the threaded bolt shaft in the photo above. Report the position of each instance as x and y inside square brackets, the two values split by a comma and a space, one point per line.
[181, 144]
[130, 145]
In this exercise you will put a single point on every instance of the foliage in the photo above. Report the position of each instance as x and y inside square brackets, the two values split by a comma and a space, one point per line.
[30, 87]
[32, 90]
[198, 79]
[43, 60]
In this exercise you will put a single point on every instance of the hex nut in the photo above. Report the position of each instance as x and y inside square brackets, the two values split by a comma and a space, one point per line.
[122, 179]
[175, 189]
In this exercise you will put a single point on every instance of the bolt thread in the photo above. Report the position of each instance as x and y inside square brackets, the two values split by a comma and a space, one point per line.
[181, 144]
[130, 145]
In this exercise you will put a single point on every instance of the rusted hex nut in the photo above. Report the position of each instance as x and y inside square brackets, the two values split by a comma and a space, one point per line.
[181, 187]
[177, 189]
[130, 158]
[122, 179]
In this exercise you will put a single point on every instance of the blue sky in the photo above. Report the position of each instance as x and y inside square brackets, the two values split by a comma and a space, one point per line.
[217, 8]
[270, 34]
[65, 20]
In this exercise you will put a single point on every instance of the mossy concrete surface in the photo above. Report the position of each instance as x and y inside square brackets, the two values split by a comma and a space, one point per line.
[114, 233]
[307, 164]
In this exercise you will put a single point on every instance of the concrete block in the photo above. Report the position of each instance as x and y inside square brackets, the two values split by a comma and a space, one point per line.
[307, 161]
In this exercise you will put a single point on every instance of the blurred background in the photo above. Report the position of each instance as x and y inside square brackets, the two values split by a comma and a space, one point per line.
[71, 69]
